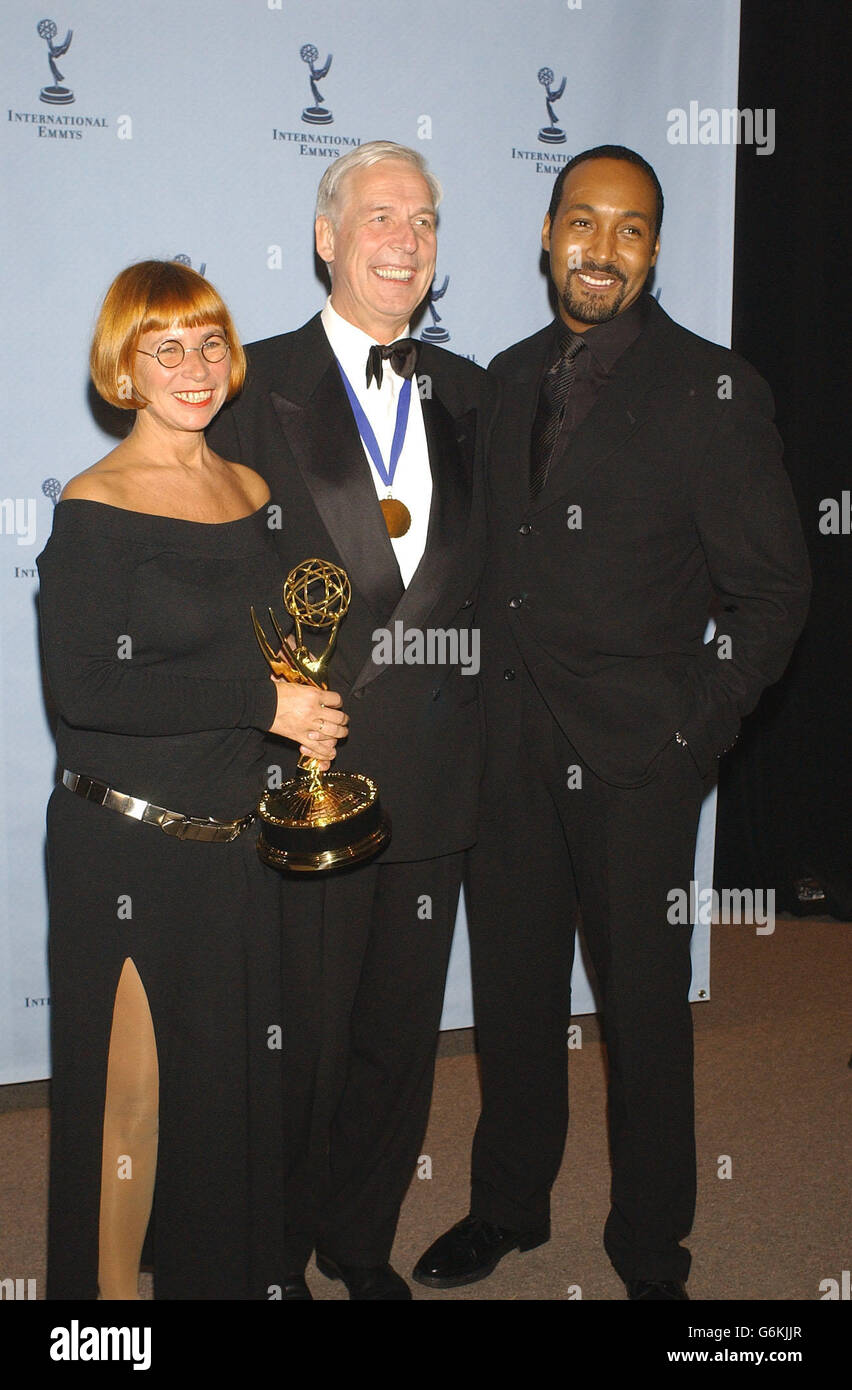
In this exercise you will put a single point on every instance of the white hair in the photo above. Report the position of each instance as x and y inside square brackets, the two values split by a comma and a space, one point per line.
[328, 193]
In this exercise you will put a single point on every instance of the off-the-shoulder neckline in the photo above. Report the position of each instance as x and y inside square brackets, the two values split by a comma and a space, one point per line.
[160, 516]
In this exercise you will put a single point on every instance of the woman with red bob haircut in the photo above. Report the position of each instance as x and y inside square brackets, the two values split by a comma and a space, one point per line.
[164, 924]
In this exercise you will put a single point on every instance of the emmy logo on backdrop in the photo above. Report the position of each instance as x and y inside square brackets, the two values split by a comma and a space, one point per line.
[56, 95]
[551, 134]
[316, 820]
[316, 114]
[434, 333]
[182, 259]
[51, 487]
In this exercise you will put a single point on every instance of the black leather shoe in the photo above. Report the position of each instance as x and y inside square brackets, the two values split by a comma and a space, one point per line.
[295, 1290]
[656, 1290]
[471, 1250]
[378, 1282]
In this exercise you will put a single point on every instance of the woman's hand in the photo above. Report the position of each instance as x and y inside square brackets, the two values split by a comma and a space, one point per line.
[311, 717]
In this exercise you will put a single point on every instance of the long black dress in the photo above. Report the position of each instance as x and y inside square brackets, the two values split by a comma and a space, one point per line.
[163, 694]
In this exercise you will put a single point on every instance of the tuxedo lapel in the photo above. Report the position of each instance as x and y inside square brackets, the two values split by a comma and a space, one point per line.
[451, 448]
[450, 445]
[317, 422]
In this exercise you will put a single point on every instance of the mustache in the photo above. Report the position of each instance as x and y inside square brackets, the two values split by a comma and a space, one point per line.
[589, 268]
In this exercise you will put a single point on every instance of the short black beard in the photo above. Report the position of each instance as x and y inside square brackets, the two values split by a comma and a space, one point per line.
[591, 311]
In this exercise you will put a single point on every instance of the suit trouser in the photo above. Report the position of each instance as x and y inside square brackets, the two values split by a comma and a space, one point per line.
[365, 961]
[620, 852]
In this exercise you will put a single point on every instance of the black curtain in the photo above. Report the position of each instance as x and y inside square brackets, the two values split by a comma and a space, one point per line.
[785, 792]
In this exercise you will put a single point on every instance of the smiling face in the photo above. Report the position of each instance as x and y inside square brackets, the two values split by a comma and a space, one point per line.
[602, 240]
[185, 397]
[381, 247]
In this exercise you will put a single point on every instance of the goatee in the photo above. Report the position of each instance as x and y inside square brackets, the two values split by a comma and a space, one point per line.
[590, 308]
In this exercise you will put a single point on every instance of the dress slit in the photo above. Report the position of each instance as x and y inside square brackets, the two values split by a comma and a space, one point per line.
[130, 1137]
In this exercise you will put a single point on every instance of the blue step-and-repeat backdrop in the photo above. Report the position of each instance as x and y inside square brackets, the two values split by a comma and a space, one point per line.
[199, 130]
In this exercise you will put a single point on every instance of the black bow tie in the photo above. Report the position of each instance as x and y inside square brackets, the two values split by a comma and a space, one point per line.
[402, 356]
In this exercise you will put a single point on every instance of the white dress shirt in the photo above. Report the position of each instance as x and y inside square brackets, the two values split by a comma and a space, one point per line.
[412, 483]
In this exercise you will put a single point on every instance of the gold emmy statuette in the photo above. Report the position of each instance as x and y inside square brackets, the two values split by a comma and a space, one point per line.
[316, 820]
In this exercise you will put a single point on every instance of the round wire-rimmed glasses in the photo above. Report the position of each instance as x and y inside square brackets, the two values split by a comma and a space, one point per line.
[171, 353]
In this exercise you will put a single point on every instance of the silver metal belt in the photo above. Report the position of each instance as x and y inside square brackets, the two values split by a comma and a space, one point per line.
[170, 822]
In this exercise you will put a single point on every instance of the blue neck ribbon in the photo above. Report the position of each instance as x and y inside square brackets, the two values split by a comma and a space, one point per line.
[385, 471]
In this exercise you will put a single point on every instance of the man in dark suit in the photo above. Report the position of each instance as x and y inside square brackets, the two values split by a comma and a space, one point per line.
[322, 418]
[635, 477]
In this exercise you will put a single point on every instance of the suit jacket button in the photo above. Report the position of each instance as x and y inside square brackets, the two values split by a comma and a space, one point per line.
[525, 528]
[508, 674]
[358, 694]
[436, 693]
[516, 601]
[467, 603]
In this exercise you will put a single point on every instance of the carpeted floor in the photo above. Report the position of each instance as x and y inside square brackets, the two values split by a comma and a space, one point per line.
[772, 1079]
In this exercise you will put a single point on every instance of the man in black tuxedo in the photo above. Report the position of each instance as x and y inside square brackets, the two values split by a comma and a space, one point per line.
[635, 477]
[321, 418]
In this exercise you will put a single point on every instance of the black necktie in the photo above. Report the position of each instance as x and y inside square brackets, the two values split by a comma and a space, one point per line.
[402, 356]
[551, 408]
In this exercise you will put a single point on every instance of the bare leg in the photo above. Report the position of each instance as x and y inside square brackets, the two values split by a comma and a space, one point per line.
[130, 1138]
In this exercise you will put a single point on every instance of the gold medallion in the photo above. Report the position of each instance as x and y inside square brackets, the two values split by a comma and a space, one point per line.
[397, 516]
